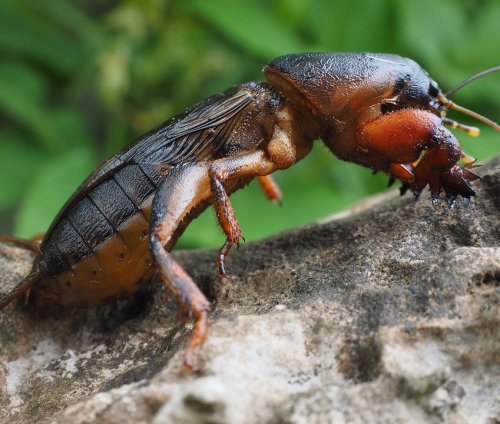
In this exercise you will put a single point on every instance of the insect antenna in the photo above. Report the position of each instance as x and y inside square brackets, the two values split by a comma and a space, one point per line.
[470, 79]
[448, 104]
[451, 105]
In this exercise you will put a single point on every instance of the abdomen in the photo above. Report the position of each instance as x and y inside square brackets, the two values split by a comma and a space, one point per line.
[98, 248]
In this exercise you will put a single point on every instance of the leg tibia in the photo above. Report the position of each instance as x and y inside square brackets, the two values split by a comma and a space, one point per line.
[184, 188]
[192, 302]
[227, 220]
[270, 188]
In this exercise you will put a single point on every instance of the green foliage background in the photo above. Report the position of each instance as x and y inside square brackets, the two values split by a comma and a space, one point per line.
[81, 79]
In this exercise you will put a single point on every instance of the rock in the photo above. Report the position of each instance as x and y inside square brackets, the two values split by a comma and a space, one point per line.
[389, 314]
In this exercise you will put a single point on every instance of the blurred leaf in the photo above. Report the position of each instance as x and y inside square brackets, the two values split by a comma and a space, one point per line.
[428, 28]
[51, 186]
[352, 25]
[115, 73]
[18, 163]
[24, 31]
[65, 15]
[22, 81]
[20, 96]
[293, 12]
[251, 25]
[319, 17]
[480, 39]
[71, 128]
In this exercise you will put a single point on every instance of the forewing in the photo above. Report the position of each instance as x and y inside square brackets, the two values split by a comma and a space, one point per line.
[196, 134]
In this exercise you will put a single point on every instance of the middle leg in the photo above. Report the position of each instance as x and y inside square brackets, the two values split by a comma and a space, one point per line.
[226, 217]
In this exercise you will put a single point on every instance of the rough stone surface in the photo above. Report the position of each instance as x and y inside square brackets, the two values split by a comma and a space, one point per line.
[388, 315]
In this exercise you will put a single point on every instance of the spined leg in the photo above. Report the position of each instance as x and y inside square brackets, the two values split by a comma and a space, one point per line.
[186, 189]
[192, 302]
[418, 150]
[226, 217]
[225, 212]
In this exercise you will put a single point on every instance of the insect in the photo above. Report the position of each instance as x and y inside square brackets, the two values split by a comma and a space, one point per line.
[379, 110]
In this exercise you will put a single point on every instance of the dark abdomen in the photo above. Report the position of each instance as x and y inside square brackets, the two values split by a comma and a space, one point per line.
[98, 248]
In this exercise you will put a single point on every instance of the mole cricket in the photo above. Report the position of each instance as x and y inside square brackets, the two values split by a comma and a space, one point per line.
[381, 111]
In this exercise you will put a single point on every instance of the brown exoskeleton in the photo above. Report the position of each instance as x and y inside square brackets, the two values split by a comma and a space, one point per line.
[378, 110]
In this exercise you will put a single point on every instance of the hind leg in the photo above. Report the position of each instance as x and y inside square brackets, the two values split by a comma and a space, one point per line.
[186, 188]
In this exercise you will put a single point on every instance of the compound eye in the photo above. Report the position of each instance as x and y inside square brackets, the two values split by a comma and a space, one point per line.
[387, 107]
[433, 89]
